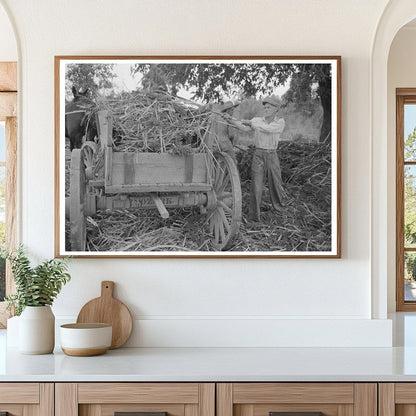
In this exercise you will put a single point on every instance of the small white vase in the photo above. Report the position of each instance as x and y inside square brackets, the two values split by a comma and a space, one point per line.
[37, 330]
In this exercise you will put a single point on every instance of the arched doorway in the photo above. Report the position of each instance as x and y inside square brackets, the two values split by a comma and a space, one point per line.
[401, 100]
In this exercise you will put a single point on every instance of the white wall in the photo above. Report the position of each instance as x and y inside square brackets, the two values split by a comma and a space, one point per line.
[202, 302]
[401, 74]
[8, 46]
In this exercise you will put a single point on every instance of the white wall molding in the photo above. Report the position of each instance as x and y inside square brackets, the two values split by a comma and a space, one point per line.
[257, 332]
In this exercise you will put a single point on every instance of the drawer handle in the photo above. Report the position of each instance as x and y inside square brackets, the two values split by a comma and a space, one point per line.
[295, 414]
[139, 414]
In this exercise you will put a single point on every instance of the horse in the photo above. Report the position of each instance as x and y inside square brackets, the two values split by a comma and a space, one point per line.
[77, 124]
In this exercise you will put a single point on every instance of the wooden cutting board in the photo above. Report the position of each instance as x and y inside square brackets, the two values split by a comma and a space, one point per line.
[108, 310]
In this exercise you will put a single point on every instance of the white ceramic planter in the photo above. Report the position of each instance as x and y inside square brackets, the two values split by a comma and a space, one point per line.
[37, 330]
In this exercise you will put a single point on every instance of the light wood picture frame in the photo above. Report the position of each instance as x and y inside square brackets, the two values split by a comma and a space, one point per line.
[155, 156]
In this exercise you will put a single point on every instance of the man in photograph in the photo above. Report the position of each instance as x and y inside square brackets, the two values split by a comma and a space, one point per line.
[265, 163]
[223, 130]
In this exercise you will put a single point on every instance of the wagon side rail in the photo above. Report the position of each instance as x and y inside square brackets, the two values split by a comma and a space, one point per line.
[146, 172]
[105, 135]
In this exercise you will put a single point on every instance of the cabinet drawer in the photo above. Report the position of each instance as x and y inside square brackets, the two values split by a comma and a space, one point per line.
[397, 399]
[138, 393]
[144, 399]
[296, 399]
[21, 399]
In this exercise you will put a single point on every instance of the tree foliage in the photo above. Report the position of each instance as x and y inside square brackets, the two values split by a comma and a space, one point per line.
[93, 77]
[214, 81]
[410, 146]
[217, 82]
[410, 191]
[410, 269]
[308, 83]
[410, 205]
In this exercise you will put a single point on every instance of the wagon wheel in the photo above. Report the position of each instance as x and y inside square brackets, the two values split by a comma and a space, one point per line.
[224, 219]
[88, 152]
[77, 191]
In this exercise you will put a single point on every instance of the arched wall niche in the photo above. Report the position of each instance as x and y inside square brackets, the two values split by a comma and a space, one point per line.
[9, 55]
[9, 46]
[396, 15]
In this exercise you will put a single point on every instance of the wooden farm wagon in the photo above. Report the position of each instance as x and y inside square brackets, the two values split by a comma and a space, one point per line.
[107, 180]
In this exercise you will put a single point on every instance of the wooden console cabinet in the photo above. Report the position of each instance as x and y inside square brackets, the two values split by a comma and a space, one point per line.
[208, 399]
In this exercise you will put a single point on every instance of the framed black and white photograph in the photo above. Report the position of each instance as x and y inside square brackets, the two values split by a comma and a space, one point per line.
[198, 156]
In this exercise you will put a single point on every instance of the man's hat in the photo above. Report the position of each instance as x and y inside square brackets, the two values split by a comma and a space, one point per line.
[227, 105]
[272, 101]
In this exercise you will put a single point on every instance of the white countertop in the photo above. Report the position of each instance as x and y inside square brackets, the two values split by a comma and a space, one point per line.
[222, 364]
[215, 364]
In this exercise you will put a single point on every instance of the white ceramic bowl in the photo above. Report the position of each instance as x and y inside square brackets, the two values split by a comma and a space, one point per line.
[83, 340]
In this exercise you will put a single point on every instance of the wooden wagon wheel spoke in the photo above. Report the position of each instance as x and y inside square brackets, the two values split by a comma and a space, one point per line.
[222, 231]
[211, 223]
[225, 207]
[88, 152]
[216, 229]
[224, 220]
[77, 194]
[226, 182]
[219, 179]
[224, 195]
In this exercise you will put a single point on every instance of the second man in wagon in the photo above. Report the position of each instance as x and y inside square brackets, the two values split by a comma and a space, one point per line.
[223, 130]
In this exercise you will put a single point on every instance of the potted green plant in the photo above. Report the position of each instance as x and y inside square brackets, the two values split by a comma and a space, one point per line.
[36, 289]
